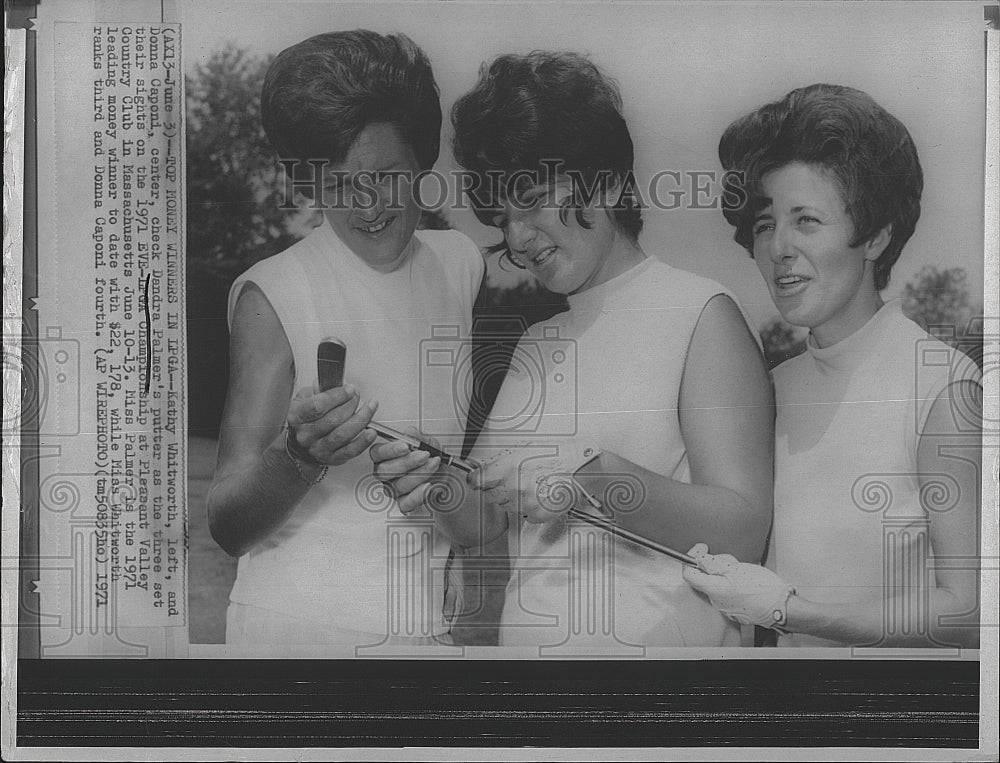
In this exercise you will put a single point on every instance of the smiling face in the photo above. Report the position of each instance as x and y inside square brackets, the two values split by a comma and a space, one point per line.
[369, 193]
[802, 238]
[565, 256]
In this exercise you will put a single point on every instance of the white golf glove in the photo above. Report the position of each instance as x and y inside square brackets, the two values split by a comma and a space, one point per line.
[747, 593]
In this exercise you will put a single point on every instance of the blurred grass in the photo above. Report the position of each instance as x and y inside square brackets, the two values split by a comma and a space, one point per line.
[211, 571]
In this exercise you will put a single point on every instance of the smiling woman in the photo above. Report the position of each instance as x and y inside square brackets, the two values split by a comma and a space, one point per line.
[877, 448]
[566, 258]
[803, 245]
[323, 564]
[654, 393]
[368, 200]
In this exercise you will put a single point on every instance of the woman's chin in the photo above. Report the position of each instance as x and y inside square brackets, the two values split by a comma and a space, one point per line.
[794, 313]
[555, 285]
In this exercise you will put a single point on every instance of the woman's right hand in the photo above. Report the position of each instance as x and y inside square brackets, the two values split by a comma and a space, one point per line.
[329, 427]
[408, 474]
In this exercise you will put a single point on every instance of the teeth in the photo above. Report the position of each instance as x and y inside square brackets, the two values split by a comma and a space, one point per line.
[376, 228]
[788, 280]
[543, 254]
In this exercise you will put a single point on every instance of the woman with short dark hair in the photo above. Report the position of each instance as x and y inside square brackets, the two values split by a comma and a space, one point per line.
[650, 392]
[357, 117]
[380, 79]
[877, 451]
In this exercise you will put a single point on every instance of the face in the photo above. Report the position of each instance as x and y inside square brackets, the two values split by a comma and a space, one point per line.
[564, 256]
[370, 198]
[802, 246]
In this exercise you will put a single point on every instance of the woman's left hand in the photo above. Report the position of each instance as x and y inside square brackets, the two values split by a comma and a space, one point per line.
[539, 488]
[747, 593]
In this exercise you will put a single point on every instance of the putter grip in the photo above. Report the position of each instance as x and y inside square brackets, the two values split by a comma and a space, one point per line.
[331, 356]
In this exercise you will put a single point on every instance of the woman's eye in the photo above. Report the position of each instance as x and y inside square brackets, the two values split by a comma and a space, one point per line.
[762, 227]
[808, 220]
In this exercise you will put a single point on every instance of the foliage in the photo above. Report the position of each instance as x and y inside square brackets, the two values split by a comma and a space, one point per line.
[528, 299]
[235, 187]
[781, 341]
[939, 300]
[431, 219]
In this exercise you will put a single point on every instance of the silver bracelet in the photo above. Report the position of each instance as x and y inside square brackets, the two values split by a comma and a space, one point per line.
[297, 462]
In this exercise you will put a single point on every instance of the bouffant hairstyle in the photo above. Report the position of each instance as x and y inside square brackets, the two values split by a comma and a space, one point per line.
[319, 94]
[550, 115]
[868, 152]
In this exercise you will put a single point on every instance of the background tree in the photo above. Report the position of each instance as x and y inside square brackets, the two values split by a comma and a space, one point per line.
[781, 341]
[235, 190]
[940, 301]
[235, 186]
[432, 219]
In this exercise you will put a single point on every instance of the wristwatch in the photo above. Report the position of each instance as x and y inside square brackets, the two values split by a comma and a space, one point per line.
[297, 456]
[780, 613]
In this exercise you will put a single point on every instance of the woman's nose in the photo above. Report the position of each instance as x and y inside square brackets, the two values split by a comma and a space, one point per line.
[368, 202]
[520, 234]
[782, 246]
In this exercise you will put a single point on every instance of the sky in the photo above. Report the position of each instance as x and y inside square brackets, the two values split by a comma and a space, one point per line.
[686, 70]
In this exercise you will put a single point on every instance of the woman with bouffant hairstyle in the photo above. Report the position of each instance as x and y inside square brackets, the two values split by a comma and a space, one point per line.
[867, 150]
[384, 78]
[877, 449]
[650, 393]
[558, 114]
[355, 117]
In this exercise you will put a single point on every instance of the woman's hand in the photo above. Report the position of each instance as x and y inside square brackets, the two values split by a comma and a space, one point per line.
[416, 480]
[747, 593]
[329, 427]
[408, 474]
[539, 488]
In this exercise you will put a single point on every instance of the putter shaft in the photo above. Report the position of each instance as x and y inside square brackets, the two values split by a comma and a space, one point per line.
[389, 433]
[621, 532]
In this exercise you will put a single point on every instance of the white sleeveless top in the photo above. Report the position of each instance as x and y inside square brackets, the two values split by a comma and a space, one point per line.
[608, 371]
[849, 513]
[347, 557]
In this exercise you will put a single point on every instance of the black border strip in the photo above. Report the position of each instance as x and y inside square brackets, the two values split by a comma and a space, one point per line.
[390, 704]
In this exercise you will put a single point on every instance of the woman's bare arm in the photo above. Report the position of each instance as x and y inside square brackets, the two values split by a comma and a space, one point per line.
[949, 455]
[256, 485]
[727, 421]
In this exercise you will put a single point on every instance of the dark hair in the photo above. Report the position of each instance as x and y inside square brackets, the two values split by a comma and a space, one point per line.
[319, 94]
[867, 150]
[540, 112]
